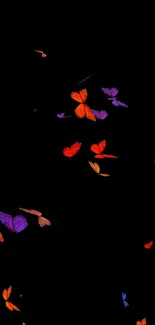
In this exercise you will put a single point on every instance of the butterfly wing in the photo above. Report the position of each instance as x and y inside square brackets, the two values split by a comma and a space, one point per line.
[94, 166]
[43, 222]
[89, 114]
[122, 104]
[11, 306]
[125, 303]
[1, 238]
[149, 245]
[83, 93]
[123, 295]
[100, 156]
[143, 322]
[98, 148]
[75, 147]
[116, 103]
[7, 221]
[6, 293]
[105, 156]
[111, 98]
[110, 92]
[102, 115]
[95, 113]
[77, 97]
[114, 91]
[61, 115]
[105, 175]
[102, 146]
[80, 111]
[20, 223]
[68, 152]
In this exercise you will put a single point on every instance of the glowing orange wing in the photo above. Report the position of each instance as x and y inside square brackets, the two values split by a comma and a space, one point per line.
[105, 175]
[31, 211]
[76, 147]
[148, 245]
[104, 156]
[94, 166]
[143, 322]
[80, 96]
[80, 111]
[68, 152]
[98, 148]
[1, 238]
[11, 306]
[6, 293]
[44, 222]
[89, 114]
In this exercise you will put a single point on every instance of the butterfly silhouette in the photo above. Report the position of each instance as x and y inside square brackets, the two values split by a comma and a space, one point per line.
[125, 303]
[82, 109]
[142, 322]
[99, 148]
[41, 220]
[96, 168]
[6, 295]
[73, 150]
[112, 92]
[42, 53]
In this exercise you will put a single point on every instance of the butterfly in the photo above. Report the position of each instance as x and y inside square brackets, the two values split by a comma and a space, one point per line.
[62, 115]
[125, 303]
[23, 323]
[83, 109]
[73, 150]
[1, 238]
[148, 245]
[6, 295]
[142, 322]
[17, 224]
[96, 168]
[42, 53]
[110, 91]
[41, 220]
[100, 115]
[99, 148]
[83, 80]
[117, 102]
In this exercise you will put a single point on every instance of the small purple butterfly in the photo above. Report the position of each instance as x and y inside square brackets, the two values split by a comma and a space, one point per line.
[17, 224]
[100, 115]
[62, 115]
[125, 303]
[110, 91]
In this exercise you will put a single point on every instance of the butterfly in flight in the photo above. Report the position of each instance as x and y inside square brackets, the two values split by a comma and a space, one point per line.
[41, 220]
[112, 92]
[42, 53]
[148, 245]
[142, 322]
[82, 109]
[16, 224]
[1, 238]
[99, 148]
[100, 115]
[6, 295]
[62, 115]
[125, 303]
[96, 168]
[73, 150]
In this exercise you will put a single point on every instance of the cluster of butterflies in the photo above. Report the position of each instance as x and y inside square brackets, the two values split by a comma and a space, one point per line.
[19, 223]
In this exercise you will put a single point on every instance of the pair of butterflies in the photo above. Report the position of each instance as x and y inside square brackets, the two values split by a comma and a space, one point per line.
[112, 92]
[19, 223]
[6, 295]
[98, 149]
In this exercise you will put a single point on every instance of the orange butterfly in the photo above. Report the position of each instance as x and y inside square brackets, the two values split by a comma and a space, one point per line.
[71, 151]
[99, 148]
[6, 295]
[41, 220]
[42, 53]
[143, 322]
[83, 110]
[96, 168]
[148, 245]
[1, 238]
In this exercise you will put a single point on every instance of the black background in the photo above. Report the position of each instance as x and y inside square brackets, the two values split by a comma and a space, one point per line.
[106, 221]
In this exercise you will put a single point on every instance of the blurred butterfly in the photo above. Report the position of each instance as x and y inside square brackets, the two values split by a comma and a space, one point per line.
[73, 150]
[142, 322]
[6, 295]
[17, 224]
[21, 295]
[23, 323]
[1, 238]
[62, 115]
[42, 53]
[99, 148]
[117, 102]
[110, 91]
[96, 168]
[41, 220]
[83, 109]
[83, 80]
[100, 115]
[148, 245]
[125, 303]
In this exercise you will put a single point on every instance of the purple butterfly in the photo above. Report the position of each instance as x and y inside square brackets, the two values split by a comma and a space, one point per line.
[117, 102]
[110, 92]
[62, 115]
[17, 224]
[100, 115]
